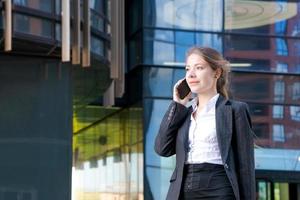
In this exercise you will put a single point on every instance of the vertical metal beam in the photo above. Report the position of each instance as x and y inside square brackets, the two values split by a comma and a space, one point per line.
[76, 33]
[118, 45]
[8, 26]
[86, 34]
[65, 47]
[109, 95]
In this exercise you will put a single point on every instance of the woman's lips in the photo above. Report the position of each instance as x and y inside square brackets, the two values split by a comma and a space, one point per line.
[193, 82]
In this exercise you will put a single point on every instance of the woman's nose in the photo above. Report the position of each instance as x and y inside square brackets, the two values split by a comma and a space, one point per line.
[190, 74]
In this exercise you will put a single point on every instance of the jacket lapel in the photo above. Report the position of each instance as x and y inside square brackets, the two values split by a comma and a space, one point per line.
[224, 126]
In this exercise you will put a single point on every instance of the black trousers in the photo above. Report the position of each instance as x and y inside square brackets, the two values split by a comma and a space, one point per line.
[206, 181]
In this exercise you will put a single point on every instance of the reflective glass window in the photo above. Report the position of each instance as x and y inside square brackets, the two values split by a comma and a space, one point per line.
[283, 128]
[158, 169]
[281, 47]
[295, 113]
[164, 47]
[281, 67]
[278, 112]
[58, 7]
[97, 46]
[265, 88]
[296, 91]
[97, 21]
[159, 82]
[58, 32]
[262, 53]
[262, 17]
[107, 153]
[261, 130]
[32, 25]
[43, 5]
[279, 91]
[278, 133]
[184, 14]
[97, 5]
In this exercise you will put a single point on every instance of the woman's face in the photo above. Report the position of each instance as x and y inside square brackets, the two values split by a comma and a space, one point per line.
[200, 77]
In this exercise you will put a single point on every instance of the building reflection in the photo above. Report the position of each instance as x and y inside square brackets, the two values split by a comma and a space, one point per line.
[108, 154]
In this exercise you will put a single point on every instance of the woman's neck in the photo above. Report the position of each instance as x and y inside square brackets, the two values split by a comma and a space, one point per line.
[203, 98]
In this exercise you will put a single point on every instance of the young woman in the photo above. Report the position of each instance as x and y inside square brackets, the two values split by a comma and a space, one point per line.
[212, 138]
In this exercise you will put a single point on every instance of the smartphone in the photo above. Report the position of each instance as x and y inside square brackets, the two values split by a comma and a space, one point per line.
[183, 89]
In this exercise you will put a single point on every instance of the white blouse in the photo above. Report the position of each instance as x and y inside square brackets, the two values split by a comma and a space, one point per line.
[203, 144]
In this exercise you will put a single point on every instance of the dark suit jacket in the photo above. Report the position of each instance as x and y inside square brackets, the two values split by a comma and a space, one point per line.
[235, 139]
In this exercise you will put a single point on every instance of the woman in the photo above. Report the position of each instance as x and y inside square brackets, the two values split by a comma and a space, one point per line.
[212, 138]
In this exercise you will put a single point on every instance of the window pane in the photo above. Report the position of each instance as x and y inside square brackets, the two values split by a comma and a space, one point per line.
[159, 82]
[43, 5]
[32, 25]
[262, 17]
[182, 14]
[97, 21]
[169, 47]
[265, 88]
[278, 112]
[278, 133]
[158, 169]
[263, 53]
[97, 46]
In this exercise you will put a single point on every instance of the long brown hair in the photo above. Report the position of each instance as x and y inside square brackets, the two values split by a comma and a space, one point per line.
[215, 61]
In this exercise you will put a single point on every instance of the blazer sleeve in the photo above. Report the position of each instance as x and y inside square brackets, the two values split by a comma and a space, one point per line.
[165, 141]
[245, 153]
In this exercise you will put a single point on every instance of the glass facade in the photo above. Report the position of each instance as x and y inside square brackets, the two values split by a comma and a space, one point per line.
[111, 152]
[107, 153]
[261, 40]
[36, 129]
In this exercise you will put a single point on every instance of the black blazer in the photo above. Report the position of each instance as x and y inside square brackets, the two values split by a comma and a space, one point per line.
[235, 139]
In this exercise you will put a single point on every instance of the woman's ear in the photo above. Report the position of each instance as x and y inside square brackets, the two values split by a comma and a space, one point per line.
[218, 73]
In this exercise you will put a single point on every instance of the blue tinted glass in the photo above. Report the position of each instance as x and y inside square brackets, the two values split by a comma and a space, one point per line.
[158, 169]
[277, 159]
[184, 38]
[182, 14]
[97, 21]
[160, 48]
[180, 52]
[97, 46]
[159, 82]
[43, 5]
[281, 47]
[280, 27]
[32, 25]
[164, 35]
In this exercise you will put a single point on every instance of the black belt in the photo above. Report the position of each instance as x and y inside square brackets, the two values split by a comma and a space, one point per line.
[202, 167]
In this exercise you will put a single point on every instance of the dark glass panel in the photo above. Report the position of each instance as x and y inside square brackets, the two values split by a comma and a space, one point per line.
[32, 26]
[43, 5]
[266, 88]
[263, 53]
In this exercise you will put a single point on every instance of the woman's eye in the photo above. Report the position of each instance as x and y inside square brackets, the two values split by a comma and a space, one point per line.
[186, 69]
[199, 67]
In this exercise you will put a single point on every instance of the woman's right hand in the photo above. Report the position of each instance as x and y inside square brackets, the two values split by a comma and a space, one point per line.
[176, 97]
